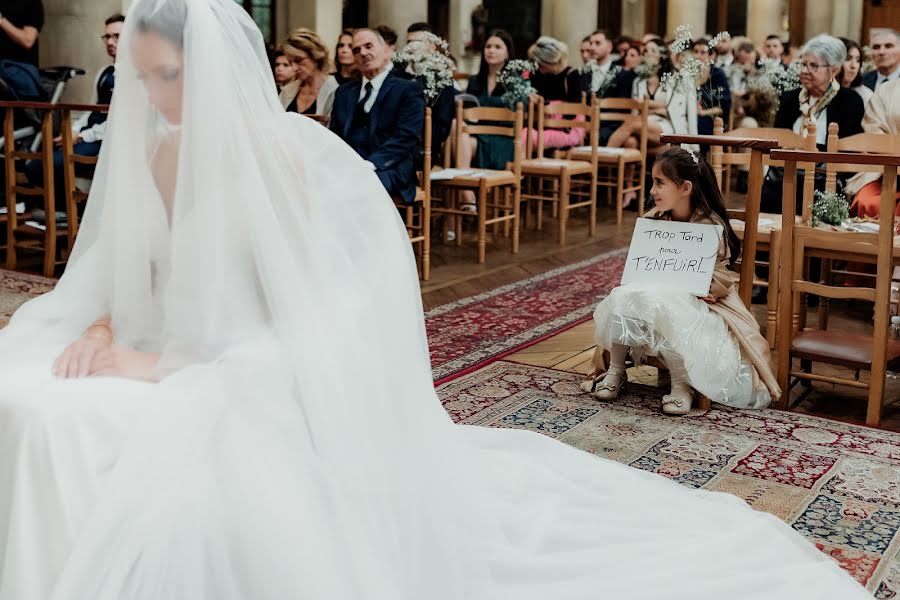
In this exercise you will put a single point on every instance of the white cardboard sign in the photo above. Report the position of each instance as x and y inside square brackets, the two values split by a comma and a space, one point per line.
[673, 254]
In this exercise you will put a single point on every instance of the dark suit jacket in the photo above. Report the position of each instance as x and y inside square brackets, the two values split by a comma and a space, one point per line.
[869, 79]
[395, 128]
[846, 109]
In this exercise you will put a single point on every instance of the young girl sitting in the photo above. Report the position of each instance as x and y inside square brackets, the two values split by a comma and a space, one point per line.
[710, 344]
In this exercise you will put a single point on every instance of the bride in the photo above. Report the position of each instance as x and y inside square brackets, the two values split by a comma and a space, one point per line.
[247, 412]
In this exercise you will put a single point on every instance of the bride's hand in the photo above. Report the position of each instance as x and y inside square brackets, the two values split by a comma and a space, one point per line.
[116, 361]
[78, 358]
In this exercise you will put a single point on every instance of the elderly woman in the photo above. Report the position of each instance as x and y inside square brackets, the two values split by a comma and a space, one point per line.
[312, 93]
[820, 100]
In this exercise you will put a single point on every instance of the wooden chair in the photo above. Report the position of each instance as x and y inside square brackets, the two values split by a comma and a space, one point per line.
[615, 160]
[417, 215]
[866, 143]
[20, 235]
[503, 186]
[723, 156]
[857, 352]
[74, 196]
[558, 180]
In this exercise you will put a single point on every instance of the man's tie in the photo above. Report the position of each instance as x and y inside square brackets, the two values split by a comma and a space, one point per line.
[361, 105]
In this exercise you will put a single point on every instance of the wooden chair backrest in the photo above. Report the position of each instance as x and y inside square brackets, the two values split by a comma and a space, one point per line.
[70, 159]
[721, 158]
[611, 109]
[468, 123]
[867, 143]
[549, 116]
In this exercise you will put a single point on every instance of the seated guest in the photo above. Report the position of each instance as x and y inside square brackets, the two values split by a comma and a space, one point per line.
[886, 56]
[282, 69]
[743, 68]
[584, 49]
[345, 65]
[555, 81]
[724, 56]
[850, 76]
[713, 93]
[632, 58]
[882, 116]
[487, 151]
[620, 46]
[390, 38]
[820, 99]
[774, 50]
[90, 129]
[673, 107]
[601, 50]
[381, 116]
[313, 91]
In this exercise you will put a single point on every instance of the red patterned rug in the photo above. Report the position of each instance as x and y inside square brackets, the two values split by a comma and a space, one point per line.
[468, 334]
[836, 484]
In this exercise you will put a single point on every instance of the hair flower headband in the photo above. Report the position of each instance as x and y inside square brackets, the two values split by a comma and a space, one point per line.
[694, 157]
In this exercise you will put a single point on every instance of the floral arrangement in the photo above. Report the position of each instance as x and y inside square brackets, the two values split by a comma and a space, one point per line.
[600, 81]
[429, 60]
[719, 37]
[868, 64]
[515, 77]
[782, 79]
[644, 70]
[829, 207]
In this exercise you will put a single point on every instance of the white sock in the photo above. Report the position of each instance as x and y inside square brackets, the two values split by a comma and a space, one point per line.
[617, 355]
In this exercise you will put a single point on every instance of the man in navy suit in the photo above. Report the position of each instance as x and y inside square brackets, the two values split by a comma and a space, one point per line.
[381, 116]
[886, 56]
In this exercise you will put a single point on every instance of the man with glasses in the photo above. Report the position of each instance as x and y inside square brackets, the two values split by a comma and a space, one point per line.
[88, 131]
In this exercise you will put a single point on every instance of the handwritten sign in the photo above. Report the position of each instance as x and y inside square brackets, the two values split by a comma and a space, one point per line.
[673, 254]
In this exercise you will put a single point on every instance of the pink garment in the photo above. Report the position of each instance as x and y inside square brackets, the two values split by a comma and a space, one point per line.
[557, 138]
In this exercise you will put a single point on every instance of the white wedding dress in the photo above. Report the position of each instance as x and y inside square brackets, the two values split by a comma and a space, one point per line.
[294, 446]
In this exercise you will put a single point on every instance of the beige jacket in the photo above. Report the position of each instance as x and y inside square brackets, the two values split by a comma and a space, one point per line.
[882, 116]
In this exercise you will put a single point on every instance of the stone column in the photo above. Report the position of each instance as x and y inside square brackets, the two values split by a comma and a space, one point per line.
[398, 14]
[846, 19]
[633, 24]
[819, 16]
[322, 16]
[764, 19]
[461, 33]
[71, 36]
[569, 22]
[686, 12]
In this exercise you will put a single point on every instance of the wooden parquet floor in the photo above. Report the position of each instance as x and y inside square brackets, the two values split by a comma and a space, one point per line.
[455, 275]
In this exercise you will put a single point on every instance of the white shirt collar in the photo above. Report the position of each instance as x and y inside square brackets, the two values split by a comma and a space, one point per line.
[895, 74]
[378, 80]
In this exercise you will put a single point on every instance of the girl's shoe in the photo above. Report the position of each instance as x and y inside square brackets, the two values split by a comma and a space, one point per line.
[678, 401]
[609, 387]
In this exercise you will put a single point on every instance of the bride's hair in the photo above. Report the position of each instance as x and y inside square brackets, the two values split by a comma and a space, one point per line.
[163, 18]
[681, 165]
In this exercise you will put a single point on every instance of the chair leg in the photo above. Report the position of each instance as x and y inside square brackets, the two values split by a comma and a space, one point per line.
[564, 185]
[482, 221]
[517, 217]
[592, 230]
[620, 195]
[774, 283]
[823, 301]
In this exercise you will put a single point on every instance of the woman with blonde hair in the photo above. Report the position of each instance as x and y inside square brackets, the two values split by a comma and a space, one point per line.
[312, 92]
[555, 81]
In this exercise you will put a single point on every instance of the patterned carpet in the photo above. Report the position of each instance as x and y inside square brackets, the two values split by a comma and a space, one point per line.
[470, 333]
[16, 288]
[837, 484]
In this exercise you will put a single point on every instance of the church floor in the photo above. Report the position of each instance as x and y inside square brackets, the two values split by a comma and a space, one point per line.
[456, 275]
